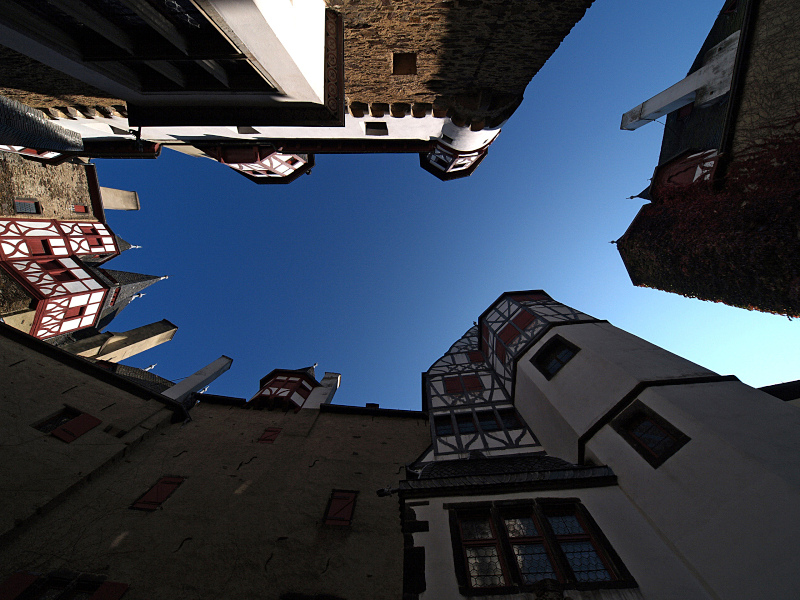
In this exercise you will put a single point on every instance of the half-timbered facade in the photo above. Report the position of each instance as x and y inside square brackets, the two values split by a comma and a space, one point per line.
[54, 243]
[572, 459]
[44, 256]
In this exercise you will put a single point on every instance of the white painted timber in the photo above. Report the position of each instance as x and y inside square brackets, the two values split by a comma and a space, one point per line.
[709, 83]
[286, 38]
[198, 380]
[114, 199]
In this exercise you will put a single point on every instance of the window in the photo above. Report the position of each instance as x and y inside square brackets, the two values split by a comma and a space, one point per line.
[61, 584]
[80, 208]
[487, 421]
[510, 546]
[653, 437]
[443, 425]
[465, 423]
[269, 435]
[26, 206]
[156, 495]
[340, 507]
[556, 353]
[509, 418]
[68, 424]
[376, 128]
[404, 63]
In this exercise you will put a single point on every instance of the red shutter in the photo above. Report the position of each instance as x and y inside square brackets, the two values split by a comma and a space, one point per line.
[13, 587]
[80, 208]
[340, 508]
[475, 356]
[110, 590]
[37, 247]
[523, 319]
[157, 494]
[75, 311]
[269, 435]
[500, 350]
[472, 383]
[508, 333]
[72, 430]
[452, 385]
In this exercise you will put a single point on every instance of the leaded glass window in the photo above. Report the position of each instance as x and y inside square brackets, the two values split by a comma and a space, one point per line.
[514, 546]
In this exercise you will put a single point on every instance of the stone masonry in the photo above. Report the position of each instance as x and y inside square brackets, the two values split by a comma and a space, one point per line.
[474, 58]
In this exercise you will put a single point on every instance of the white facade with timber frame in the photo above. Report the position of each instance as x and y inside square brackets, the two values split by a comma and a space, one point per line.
[571, 459]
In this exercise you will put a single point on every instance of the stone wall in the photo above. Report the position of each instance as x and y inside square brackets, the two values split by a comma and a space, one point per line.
[770, 97]
[247, 522]
[55, 187]
[474, 57]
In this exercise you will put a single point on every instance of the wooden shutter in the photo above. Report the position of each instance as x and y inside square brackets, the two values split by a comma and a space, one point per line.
[80, 208]
[452, 385]
[508, 333]
[37, 247]
[340, 507]
[269, 435]
[157, 494]
[523, 319]
[72, 430]
[110, 590]
[14, 586]
[500, 350]
[472, 383]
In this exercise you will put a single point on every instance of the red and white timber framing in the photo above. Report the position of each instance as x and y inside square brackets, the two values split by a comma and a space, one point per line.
[47, 156]
[43, 256]
[285, 390]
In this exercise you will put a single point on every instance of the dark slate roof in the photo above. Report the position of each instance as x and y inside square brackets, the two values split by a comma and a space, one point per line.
[703, 128]
[122, 244]
[146, 379]
[785, 391]
[517, 469]
[130, 285]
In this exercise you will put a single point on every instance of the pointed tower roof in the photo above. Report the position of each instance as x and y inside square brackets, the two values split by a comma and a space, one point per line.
[122, 244]
[128, 285]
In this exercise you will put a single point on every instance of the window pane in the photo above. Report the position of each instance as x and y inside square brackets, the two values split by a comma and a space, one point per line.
[476, 529]
[521, 527]
[534, 564]
[465, 424]
[443, 425]
[509, 419]
[565, 525]
[487, 421]
[653, 437]
[585, 562]
[484, 567]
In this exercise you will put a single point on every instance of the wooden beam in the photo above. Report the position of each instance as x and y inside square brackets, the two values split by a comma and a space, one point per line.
[21, 19]
[168, 70]
[216, 70]
[709, 83]
[159, 23]
[96, 22]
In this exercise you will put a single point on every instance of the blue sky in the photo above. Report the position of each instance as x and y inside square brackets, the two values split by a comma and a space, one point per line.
[372, 268]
